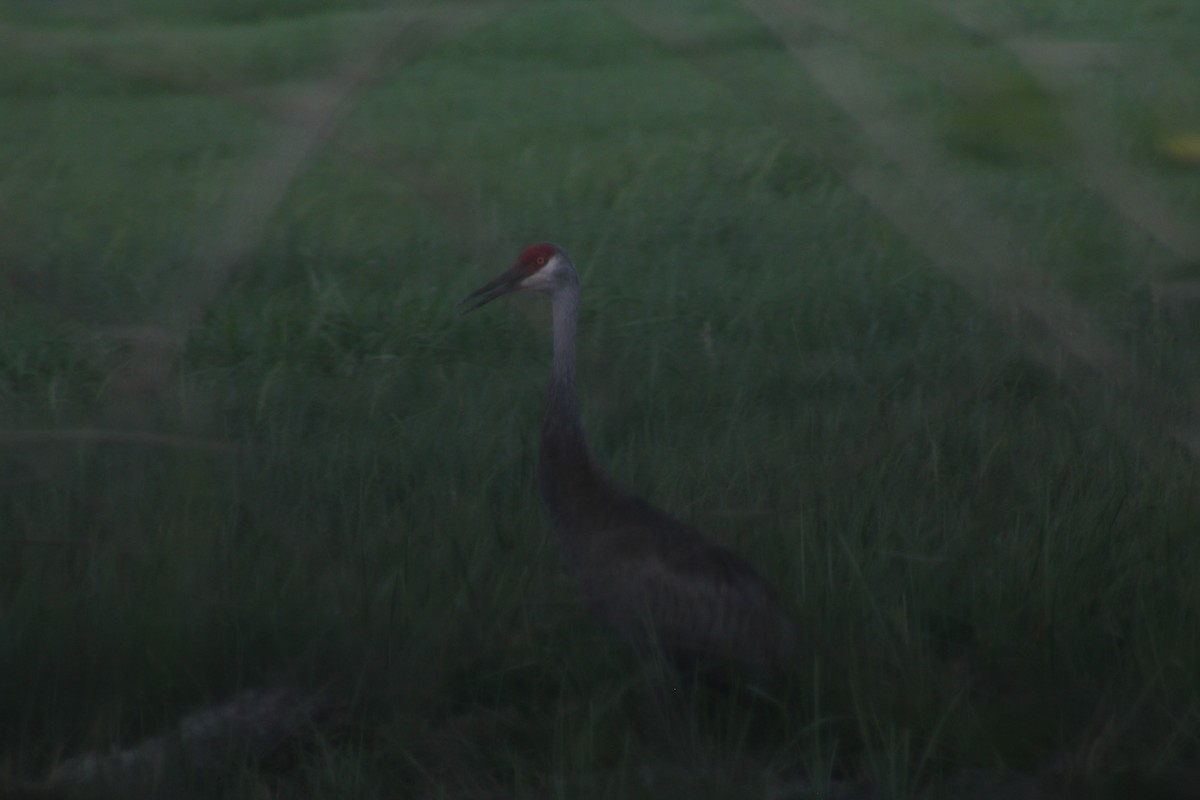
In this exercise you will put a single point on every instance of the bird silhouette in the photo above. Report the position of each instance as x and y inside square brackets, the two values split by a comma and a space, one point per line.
[652, 579]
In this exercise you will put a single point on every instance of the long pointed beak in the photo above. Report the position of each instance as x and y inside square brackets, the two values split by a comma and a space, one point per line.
[510, 281]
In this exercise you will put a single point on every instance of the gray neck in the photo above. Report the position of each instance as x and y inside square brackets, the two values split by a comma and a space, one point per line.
[566, 314]
[575, 491]
[562, 405]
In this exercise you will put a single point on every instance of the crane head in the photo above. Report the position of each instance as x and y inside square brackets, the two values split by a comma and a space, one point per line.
[541, 267]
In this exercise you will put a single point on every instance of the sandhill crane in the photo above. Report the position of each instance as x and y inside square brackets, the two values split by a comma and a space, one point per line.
[652, 579]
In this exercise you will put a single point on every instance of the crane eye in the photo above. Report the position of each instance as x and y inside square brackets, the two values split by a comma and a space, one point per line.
[541, 261]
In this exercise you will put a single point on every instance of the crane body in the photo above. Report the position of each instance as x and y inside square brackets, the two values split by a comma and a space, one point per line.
[652, 579]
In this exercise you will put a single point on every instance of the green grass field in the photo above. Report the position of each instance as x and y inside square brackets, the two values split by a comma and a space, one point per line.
[890, 298]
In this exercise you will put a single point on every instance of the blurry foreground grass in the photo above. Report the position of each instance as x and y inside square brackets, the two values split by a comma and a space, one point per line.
[334, 486]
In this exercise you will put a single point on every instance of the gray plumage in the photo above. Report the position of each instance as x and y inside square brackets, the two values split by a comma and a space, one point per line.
[652, 579]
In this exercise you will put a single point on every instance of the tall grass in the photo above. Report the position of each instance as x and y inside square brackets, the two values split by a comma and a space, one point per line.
[999, 566]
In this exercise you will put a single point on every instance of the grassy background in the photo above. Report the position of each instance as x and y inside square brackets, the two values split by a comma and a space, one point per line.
[1001, 543]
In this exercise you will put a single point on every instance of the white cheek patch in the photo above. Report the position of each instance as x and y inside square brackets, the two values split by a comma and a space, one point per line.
[543, 279]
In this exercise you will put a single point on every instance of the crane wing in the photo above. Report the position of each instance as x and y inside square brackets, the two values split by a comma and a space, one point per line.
[656, 580]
